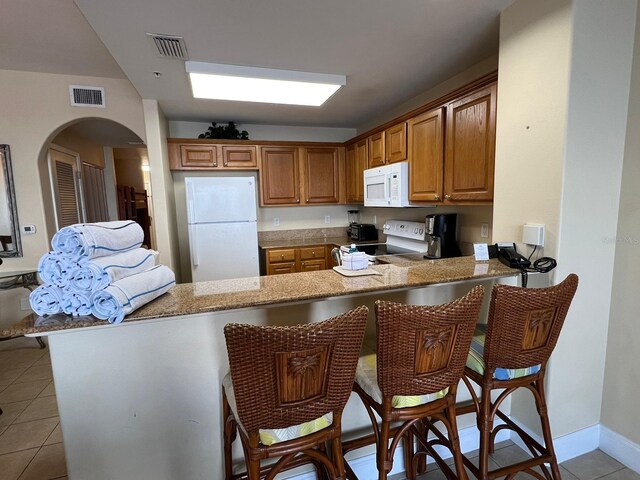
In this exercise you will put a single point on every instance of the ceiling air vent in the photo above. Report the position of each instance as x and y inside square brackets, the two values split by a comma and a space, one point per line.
[86, 96]
[169, 46]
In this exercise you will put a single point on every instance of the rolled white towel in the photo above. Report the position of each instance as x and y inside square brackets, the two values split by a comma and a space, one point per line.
[56, 268]
[98, 239]
[98, 273]
[130, 293]
[76, 304]
[46, 300]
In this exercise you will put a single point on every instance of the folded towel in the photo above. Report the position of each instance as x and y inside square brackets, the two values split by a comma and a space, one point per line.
[76, 304]
[46, 300]
[98, 273]
[56, 268]
[130, 293]
[98, 239]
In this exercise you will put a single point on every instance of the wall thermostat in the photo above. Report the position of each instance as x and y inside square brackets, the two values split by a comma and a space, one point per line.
[29, 229]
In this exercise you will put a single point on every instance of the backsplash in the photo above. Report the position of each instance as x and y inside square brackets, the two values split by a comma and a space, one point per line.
[302, 233]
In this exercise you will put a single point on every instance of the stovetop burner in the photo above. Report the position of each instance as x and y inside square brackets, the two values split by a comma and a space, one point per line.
[378, 249]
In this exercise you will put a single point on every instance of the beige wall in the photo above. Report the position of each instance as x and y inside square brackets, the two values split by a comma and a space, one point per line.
[622, 376]
[35, 108]
[129, 172]
[162, 196]
[89, 152]
[565, 140]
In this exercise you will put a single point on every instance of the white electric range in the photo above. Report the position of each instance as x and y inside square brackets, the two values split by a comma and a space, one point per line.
[403, 237]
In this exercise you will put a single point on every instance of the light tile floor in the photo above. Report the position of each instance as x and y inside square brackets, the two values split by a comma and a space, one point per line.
[31, 440]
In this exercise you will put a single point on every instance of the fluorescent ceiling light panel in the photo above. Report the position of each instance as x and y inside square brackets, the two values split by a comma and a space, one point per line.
[264, 85]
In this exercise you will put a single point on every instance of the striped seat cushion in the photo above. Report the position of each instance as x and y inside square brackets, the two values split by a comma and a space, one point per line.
[269, 436]
[475, 360]
[367, 378]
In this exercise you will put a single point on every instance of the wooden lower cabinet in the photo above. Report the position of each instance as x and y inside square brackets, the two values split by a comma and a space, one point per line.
[301, 259]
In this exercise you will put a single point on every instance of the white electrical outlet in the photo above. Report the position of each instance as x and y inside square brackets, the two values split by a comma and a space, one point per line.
[276, 221]
[327, 219]
[484, 230]
[374, 219]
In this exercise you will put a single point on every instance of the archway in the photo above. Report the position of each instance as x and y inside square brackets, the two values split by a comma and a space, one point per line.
[108, 182]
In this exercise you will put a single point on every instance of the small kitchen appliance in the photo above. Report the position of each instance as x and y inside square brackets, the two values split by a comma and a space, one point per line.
[441, 236]
[353, 216]
[363, 232]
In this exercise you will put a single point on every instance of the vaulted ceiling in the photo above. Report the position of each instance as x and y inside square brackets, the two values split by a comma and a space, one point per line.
[390, 51]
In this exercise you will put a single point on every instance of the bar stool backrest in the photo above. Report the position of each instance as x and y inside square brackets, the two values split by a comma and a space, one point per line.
[423, 349]
[524, 323]
[285, 376]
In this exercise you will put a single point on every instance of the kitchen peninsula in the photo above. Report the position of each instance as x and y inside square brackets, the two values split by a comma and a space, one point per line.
[142, 399]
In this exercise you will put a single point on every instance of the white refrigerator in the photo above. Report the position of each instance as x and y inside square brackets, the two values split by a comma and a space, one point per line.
[223, 231]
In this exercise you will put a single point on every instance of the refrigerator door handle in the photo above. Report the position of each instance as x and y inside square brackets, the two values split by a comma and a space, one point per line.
[193, 246]
[190, 203]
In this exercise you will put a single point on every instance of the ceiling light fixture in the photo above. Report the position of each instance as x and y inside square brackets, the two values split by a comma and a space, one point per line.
[264, 85]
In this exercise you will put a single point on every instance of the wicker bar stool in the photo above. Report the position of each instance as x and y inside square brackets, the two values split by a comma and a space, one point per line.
[286, 392]
[421, 353]
[511, 352]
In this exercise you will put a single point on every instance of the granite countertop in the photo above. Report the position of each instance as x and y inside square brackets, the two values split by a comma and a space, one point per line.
[219, 295]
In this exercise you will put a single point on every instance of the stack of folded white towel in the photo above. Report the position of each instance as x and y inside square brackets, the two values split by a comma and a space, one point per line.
[99, 269]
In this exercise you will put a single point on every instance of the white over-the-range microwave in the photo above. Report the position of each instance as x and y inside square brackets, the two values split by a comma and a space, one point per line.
[387, 186]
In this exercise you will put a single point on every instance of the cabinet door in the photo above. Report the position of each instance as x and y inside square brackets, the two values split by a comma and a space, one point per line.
[198, 156]
[313, 265]
[321, 174]
[426, 156]
[470, 155]
[361, 165]
[239, 156]
[350, 157]
[279, 176]
[376, 150]
[395, 143]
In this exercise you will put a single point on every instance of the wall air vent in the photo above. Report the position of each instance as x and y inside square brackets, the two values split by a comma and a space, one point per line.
[82, 96]
[169, 46]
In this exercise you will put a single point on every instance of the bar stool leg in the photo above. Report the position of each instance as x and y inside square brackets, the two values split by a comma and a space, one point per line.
[409, 455]
[229, 435]
[338, 458]
[541, 406]
[454, 441]
[484, 426]
[384, 464]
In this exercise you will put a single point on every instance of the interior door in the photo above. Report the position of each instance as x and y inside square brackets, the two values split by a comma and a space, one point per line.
[65, 186]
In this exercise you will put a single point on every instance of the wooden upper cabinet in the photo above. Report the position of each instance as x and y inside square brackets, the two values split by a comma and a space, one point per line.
[470, 149]
[321, 174]
[279, 176]
[198, 156]
[375, 146]
[205, 155]
[395, 143]
[239, 156]
[426, 155]
[350, 160]
[360, 166]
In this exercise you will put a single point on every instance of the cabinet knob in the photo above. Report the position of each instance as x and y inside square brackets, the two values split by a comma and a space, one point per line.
[226, 163]
[436, 197]
[297, 200]
[313, 254]
[303, 264]
[448, 197]
[282, 256]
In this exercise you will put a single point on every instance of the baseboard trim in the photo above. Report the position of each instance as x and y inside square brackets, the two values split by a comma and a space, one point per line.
[620, 448]
[567, 446]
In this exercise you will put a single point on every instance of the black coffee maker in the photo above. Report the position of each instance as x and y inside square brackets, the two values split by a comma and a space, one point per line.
[441, 236]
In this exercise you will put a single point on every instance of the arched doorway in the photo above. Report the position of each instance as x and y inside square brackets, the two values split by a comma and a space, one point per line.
[96, 170]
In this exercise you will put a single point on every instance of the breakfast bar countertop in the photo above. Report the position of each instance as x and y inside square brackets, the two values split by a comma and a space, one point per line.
[403, 272]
